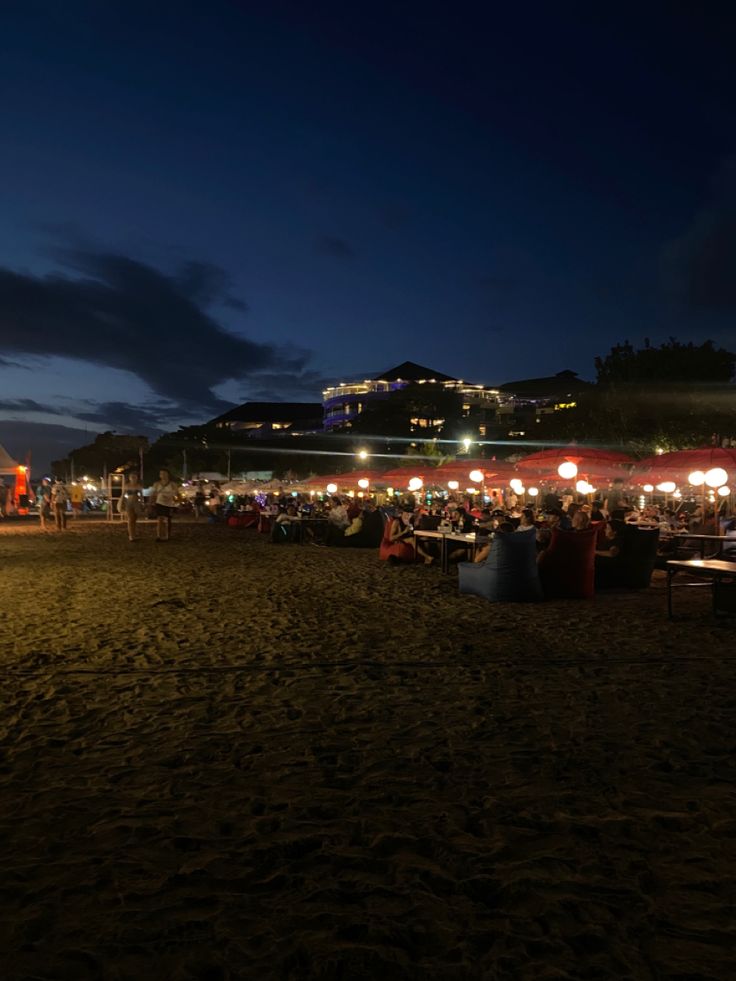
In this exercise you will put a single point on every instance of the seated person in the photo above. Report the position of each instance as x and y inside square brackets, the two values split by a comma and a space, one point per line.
[526, 522]
[286, 526]
[581, 520]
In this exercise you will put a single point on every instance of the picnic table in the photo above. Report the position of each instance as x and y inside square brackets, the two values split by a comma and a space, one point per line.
[472, 541]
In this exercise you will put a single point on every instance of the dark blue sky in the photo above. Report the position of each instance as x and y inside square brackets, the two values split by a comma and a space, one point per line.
[212, 202]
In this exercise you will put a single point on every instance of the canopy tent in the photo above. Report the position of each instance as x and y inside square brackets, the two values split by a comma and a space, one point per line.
[495, 472]
[7, 464]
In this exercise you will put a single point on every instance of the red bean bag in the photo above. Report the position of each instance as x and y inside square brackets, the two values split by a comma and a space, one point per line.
[265, 523]
[567, 566]
[400, 550]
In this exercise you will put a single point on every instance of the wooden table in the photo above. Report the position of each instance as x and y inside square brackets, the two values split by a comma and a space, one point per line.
[702, 541]
[710, 572]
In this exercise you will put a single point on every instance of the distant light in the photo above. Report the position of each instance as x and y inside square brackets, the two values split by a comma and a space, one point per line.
[696, 478]
[466, 443]
[363, 454]
[294, 494]
[667, 486]
[416, 484]
[516, 485]
[331, 488]
[533, 491]
[476, 476]
[567, 470]
[364, 483]
[724, 491]
[582, 487]
[453, 485]
[648, 488]
[716, 477]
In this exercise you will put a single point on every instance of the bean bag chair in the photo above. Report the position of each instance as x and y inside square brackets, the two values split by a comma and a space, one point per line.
[567, 566]
[265, 523]
[370, 535]
[508, 575]
[633, 566]
[400, 550]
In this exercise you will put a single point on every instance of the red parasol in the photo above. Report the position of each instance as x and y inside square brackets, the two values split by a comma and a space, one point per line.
[680, 464]
[590, 461]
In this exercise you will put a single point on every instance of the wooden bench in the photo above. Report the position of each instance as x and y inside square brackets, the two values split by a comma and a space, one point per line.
[709, 572]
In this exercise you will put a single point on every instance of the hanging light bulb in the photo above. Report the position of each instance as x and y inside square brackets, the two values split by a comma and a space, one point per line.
[416, 484]
[476, 476]
[363, 482]
[453, 485]
[533, 491]
[716, 477]
[568, 470]
[696, 478]
[667, 486]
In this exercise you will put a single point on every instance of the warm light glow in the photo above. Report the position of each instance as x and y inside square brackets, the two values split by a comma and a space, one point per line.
[716, 477]
[453, 484]
[582, 487]
[416, 484]
[648, 488]
[567, 470]
[363, 454]
[724, 491]
[331, 488]
[363, 482]
[471, 490]
[466, 443]
[476, 476]
[533, 491]
[667, 486]
[677, 494]
[516, 485]
[696, 478]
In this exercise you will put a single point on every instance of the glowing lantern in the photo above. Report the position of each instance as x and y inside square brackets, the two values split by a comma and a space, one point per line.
[724, 491]
[567, 470]
[667, 487]
[516, 485]
[533, 491]
[363, 482]
[696, 478]
[331, 488]
[582, 487]
[453, 485]
[416, 484]
[648, 488]
[716, 477]
[476, 476]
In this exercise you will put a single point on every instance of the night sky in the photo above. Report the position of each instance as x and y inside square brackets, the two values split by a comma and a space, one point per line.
[207, 203]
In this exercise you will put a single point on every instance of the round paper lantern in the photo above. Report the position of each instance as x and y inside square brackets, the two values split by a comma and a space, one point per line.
[533, 491]
[567, 470]
[331, 488]
[696, 478]
[716, 477]
[363, 482]
[453, 485]
[724, 491]
[667, 486]
[476, 476]
[582, 487]
[416, 484]
[648, 488]
[516, 485]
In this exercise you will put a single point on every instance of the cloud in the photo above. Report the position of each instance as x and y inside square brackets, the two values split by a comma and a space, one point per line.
[112, 310]
[337, 247]
[699, 267]
[27, 405]
[47, 441]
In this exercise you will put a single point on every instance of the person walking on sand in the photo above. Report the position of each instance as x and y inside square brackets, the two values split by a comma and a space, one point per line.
[59, 501]
[164, 497]
[43, 496]
[131, 504]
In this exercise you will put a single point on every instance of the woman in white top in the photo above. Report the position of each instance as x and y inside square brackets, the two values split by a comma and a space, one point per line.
[164, 498]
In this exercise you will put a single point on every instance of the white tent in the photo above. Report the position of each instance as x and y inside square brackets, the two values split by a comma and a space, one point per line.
[7, 464]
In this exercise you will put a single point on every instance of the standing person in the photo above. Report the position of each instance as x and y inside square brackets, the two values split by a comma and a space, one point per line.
[131, 504]
[199, 502]
[164, 498]
[59, 501]
[76, 494]
[4, 494]
[43, 496]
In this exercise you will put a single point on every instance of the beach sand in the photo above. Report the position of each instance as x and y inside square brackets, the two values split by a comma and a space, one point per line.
[226, 759]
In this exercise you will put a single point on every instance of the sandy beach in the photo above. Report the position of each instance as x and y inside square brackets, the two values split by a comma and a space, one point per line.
[226, 759]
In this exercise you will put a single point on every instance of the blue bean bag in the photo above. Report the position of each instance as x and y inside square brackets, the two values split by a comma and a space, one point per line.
[509, 574]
